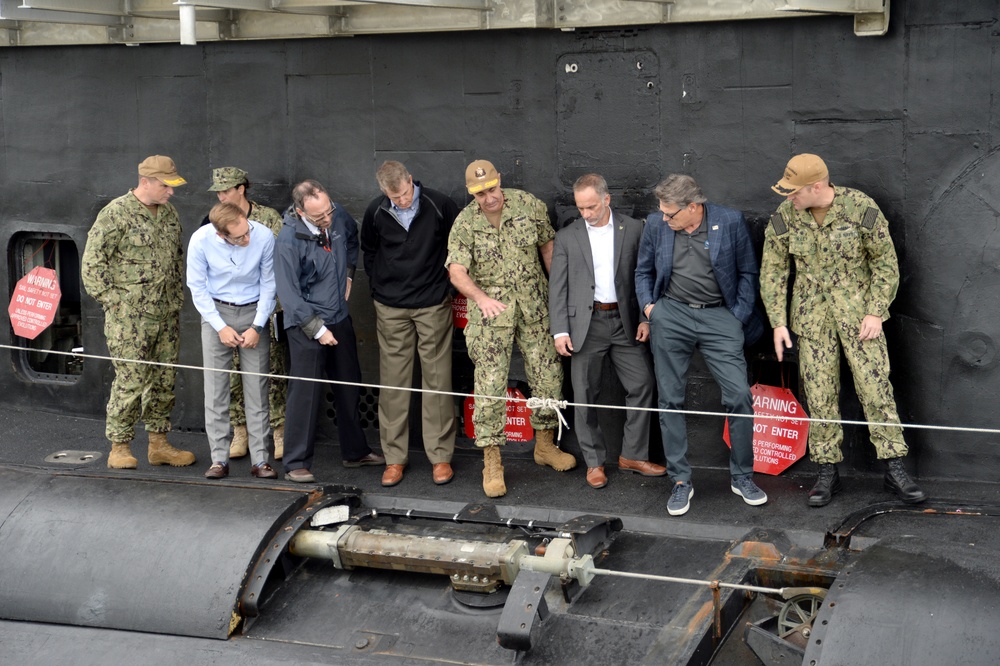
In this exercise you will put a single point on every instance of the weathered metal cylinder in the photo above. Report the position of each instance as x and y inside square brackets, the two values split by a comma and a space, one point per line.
[471, 565]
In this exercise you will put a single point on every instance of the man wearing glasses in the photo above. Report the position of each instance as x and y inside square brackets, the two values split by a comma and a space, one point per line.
[133, 266]
[315, 258]
[232, 185]
[230, 272]
[696, 281]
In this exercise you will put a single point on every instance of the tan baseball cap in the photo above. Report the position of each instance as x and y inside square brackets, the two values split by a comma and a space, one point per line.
[802, 170]
[162, 168]
[481, 175]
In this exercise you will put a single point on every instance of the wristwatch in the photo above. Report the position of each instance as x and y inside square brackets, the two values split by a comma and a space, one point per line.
[257, 328]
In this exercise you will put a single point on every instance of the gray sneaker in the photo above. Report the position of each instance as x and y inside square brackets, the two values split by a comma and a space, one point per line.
[680, 498]
[748, 490]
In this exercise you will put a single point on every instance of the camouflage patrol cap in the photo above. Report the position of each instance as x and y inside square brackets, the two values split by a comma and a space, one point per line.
[481, 175]
[162, 168]
[225, 178]
[802, 170]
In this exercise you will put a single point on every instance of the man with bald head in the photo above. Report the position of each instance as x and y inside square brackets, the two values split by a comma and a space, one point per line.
[846, 275]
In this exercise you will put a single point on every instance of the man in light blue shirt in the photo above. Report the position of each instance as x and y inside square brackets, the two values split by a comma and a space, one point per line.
[230, 272]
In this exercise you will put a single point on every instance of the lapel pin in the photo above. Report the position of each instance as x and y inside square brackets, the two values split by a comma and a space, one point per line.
[715, 227]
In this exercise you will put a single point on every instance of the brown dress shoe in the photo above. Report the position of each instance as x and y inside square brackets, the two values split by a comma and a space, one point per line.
[263, 471]
[371, 460]
[596, 477]
[392, 475]
[443, 473]
[217, 471]
[643, 467]
[300, 476]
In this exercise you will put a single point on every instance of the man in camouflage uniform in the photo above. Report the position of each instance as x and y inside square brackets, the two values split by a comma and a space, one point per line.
[231, 185]
[846, 275]
[133, 266]
[493, 259]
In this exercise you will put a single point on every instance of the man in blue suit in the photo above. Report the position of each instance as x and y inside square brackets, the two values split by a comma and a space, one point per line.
[696, 281]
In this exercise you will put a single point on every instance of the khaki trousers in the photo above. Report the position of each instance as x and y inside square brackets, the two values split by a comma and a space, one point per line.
[430, 331]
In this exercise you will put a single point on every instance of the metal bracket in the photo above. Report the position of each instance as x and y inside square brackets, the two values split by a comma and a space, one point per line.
[525, 602]
[871, 17]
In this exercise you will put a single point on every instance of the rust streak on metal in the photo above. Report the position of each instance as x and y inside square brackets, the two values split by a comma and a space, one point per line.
[717, 604]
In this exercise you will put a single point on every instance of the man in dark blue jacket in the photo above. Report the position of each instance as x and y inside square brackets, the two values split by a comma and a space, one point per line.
[696, 282]
[314, 260]
[405, 239]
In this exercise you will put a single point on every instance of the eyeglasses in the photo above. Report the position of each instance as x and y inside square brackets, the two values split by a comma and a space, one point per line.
[319, 218]
[236, 240]
[669, 217]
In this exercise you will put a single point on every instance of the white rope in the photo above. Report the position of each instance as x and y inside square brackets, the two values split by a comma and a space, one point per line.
[543, 403]
[550, 403]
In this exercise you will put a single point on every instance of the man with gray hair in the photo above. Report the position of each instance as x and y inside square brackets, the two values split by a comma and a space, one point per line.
[404, 236]
[314, 260]
[696, 281]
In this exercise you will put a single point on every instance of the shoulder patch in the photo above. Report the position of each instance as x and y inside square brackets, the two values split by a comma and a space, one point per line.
[778, 224]
[868, 221]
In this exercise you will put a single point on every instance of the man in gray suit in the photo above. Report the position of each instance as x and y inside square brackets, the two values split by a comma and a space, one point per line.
[595, 314]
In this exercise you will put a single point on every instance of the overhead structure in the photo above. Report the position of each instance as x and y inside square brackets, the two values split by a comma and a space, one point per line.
[132, 22]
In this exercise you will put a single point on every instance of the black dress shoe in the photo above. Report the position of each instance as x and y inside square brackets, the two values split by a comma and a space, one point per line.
[263, 471]
[217, 471]
[371, 460]
[899, 482]
[826, 486]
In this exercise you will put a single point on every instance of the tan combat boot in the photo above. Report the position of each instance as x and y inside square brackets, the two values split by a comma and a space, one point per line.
[279, 442]
[493, 484]
[547, 453]
[161, 453]
[121, 456]
[238, 447]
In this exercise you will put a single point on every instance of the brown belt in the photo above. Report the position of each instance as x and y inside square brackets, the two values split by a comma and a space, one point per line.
[605, 306]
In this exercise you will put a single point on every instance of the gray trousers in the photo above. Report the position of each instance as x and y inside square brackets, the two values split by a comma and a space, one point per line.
[216, 355]
[676, 330]
[606, 337]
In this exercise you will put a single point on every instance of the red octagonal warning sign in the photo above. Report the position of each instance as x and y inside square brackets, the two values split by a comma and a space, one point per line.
[35, 302]
[777, 443]
[518, 428]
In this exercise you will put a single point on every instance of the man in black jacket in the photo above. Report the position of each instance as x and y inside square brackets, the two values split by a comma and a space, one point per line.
[404, 236]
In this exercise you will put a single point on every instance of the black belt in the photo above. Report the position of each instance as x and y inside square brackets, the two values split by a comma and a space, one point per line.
[605, 306]
[699, 306]
[234, 305]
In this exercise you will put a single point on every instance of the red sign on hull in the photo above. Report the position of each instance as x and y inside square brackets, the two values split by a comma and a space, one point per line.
[35, 302]
[518, 428]
[777, 443]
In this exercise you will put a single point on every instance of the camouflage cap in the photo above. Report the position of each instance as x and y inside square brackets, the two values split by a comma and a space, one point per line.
[802, 170]
[224, 178]
[162, 168]
[481, 175]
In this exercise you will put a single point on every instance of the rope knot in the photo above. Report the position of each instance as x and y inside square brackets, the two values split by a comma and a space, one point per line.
[553, 404]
